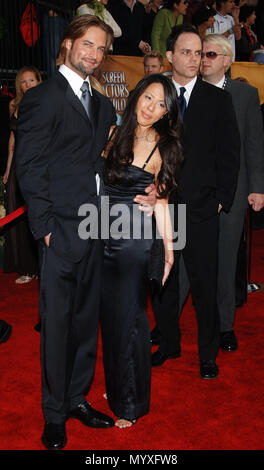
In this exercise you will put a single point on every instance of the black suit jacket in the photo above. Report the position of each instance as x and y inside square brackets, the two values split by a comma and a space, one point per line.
[211, 145]
[248, 113]
[57, 154]
[134, 26]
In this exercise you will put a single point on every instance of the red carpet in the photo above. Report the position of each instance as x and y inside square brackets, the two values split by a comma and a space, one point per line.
[186, 412]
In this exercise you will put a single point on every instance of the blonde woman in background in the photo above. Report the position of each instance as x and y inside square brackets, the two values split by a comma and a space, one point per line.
[20, 252]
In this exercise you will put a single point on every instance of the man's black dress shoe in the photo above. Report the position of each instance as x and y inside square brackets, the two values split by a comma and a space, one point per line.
[5, 331]
[90, 417]
[228, 341]
[54, 436]
[208, 369]
[158, 358]
[155, 336]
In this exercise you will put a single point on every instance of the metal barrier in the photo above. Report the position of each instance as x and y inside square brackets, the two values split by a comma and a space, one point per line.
[48, 27]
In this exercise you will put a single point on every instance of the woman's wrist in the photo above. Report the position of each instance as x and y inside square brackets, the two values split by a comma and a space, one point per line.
[169, 257]
[169, 262]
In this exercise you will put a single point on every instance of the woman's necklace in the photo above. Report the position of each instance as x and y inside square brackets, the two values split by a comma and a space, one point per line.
[145, 137]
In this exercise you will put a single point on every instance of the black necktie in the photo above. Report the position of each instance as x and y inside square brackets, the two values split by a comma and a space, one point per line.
[86, 99]
[182, 100]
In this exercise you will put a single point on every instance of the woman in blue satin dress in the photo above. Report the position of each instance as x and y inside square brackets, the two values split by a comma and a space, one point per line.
[145, 149]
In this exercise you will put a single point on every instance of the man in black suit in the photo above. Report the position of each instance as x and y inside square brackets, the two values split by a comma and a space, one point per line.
[131, 16]
[211, 146]
[217, 58]
[62, 128]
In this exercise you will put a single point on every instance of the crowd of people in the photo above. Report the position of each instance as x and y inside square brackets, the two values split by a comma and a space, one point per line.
[143, 25]
[195, 140]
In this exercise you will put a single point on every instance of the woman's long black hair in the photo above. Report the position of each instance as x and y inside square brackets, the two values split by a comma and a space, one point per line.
[169, 129]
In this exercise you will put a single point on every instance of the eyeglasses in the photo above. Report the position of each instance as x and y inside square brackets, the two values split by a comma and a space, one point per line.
[211, 55]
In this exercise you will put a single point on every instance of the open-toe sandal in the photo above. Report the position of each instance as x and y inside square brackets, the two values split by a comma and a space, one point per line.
[130, 422]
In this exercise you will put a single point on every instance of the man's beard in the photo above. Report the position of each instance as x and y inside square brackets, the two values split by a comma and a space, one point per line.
[79, 67]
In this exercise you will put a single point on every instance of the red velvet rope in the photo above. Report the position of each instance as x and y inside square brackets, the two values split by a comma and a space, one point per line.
[13, 215]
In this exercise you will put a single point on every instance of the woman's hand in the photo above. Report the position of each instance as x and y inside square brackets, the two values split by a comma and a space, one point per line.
[5, 177]
[169, 260]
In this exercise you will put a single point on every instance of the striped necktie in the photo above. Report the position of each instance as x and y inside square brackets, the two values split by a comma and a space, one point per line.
[86, 99]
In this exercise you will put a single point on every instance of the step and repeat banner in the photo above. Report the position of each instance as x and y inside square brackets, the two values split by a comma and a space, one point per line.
[119, 75]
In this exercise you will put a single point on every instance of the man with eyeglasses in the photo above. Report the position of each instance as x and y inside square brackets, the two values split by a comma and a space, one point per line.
[217, 57]
[207, 185]
[227, 22]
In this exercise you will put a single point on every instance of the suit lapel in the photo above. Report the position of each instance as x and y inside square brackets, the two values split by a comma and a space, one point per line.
[228, 83]
[194, 98]
[76, 103]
